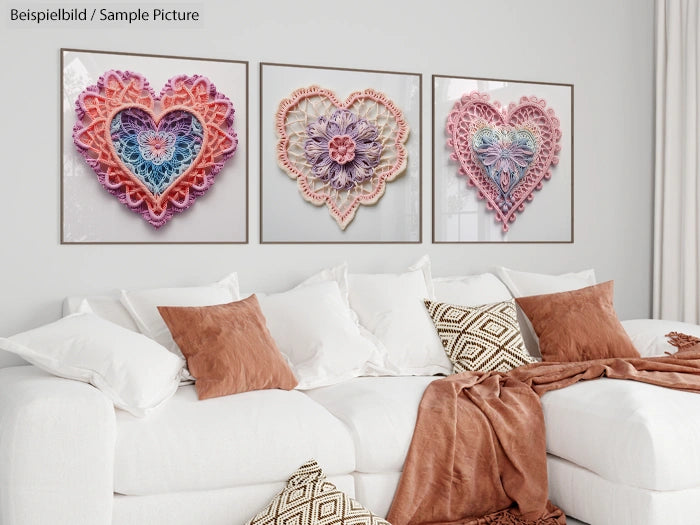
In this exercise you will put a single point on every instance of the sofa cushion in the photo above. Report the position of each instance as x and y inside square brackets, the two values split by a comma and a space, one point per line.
[242, 439]
[380, 413]
[143, 305]
[390, 306]
[376, 491]
[315, 329]
[134, 372]
[470, 290]
[228, 347]
[482, 338]
[579, 325]
[106, 306]
[232, 506]
[523, 284]
[627, 432]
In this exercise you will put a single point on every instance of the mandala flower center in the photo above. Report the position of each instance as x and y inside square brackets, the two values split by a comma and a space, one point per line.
[505, 154]
[341, 149]
[156, 146]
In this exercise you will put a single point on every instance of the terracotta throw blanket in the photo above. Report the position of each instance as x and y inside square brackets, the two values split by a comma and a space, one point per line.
[478, 452]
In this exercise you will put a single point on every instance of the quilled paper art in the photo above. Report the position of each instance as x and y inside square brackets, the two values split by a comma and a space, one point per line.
[156, 154]
[505, 153]
[341, 153]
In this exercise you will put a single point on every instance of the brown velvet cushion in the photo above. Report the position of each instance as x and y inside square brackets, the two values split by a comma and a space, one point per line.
[228, 348]
[579, 325]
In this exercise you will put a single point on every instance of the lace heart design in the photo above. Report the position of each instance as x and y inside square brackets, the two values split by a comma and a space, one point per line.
[155, 154]
[506, 154]
[341, 153]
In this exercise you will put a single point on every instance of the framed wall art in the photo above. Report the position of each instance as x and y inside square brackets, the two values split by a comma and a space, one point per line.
[503, 155]
[154, 149]
[340, 155]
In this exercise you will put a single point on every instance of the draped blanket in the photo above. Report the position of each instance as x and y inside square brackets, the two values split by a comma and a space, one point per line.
[478, 453]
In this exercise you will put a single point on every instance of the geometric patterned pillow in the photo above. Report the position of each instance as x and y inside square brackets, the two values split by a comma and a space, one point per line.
[309, 499]
[480, 338]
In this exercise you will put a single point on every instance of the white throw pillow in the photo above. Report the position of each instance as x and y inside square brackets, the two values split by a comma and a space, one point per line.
[314, 328]
[106, 306]
[470, 290]
[391, 307]
[523, 284]
[649, 335]
[136, 373]
[143, 307]
[338, 273]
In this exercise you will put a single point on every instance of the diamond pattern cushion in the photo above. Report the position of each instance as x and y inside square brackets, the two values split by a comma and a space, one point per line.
[310, 499]
[480, 338]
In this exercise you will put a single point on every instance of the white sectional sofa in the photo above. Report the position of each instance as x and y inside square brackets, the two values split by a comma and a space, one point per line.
[620, 453]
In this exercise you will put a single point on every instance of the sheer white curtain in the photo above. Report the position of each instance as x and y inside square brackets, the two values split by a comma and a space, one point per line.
[677, 171]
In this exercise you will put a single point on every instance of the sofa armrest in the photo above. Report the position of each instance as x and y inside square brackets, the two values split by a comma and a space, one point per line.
[57, 441]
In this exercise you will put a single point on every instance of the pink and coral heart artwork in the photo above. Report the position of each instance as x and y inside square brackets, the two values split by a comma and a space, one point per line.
[152, 138]
[506, 153]
[156, 154]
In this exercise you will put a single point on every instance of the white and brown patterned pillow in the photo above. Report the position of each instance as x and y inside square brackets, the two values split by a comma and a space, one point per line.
[480, 338]
[310, 499]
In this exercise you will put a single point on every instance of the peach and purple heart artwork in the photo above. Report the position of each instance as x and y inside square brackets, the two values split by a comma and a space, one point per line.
[342, 153]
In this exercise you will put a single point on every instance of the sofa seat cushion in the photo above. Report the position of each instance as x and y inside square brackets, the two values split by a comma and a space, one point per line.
[380, 413]
[232, 506]
[627, 432]
[242, 439]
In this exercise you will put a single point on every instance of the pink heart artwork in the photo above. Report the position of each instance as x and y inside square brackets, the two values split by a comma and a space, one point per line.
[505, 153]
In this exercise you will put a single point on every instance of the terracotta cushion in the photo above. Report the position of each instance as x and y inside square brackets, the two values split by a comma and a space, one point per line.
[579, 325]
[228, 348]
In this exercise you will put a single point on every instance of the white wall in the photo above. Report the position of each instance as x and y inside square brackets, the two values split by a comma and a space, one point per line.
[604, 48]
